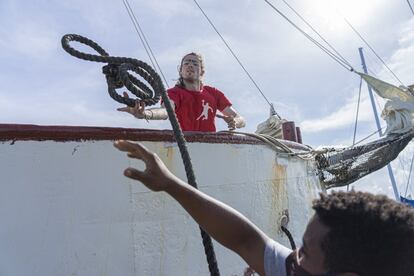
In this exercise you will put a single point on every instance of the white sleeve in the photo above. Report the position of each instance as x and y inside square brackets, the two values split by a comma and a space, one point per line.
[274, 258]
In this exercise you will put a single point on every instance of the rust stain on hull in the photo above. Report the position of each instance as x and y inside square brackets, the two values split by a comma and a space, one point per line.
[279, 196]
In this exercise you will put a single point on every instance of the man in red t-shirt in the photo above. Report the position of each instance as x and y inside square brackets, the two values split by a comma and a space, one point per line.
[195, 104]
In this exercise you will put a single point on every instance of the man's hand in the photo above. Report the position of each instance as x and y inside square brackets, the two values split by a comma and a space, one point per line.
[232, 118]
[138, 110]
[231, 122]
[156, 176]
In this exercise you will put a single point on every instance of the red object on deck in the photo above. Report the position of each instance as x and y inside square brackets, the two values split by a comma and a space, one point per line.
[289, 131]
[299, 135]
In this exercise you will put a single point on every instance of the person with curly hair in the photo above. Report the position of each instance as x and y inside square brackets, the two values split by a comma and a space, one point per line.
[350, 234]
[195, 104]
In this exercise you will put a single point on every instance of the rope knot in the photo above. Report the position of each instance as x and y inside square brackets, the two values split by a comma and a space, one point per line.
[111, 71]
[117, 72]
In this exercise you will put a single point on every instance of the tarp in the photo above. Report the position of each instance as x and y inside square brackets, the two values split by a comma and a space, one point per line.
[407, 201]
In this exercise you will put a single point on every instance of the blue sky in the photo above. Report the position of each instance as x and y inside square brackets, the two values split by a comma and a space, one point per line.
[42, 84]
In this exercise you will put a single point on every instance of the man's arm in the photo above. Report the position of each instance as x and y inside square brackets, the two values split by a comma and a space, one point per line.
[223, 223]
[232, 118]
[139, 111]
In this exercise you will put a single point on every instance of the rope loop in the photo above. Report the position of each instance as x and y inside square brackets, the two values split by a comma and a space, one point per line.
[117, 72]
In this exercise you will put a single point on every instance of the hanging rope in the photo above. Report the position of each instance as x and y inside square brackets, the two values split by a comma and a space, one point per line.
[289, 236]
[272, 110]
[284, 220]
[117, 76]
[334, 56]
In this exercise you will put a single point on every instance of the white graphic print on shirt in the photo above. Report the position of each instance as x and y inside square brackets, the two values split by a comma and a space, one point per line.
[204, 113]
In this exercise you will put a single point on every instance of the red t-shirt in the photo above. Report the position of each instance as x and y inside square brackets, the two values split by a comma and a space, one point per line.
[196, 110]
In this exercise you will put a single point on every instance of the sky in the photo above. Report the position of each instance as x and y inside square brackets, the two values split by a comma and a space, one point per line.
[41, 84]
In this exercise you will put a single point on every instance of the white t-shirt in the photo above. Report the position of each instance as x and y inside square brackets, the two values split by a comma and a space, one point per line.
[274, 258]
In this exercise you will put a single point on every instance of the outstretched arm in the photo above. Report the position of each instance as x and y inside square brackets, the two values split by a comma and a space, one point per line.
[223, 223]
[140, 112]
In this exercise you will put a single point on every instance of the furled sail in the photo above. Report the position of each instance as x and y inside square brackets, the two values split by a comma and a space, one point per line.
[339, 167]
[272, 127]
[399, 109]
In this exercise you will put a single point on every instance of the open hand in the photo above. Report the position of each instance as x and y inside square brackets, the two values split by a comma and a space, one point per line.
[138, 110]
[156, 175]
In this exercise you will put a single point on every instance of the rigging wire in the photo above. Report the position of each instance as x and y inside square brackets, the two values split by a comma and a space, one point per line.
[363, 139]
[356, 118]
[273, 111]
[319, 45]
[372, 49]
[144, 40]
[375, 64]
[336, 56]
[320, 36]
[409, 176]
[127, 7]
[401, 164]
[411, 7]
[357, 113]
[379, 105]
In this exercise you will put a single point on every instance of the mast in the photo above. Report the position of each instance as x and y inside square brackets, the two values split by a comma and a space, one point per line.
[371, 96]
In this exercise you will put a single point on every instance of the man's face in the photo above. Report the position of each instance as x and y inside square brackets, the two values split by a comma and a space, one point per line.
[310, 255]
[191, 68]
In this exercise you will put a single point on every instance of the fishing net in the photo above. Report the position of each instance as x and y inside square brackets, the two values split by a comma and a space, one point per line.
[340, 167]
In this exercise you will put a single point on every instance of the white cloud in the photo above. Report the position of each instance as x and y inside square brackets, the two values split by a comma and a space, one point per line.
[402, 60]
[342, 117]
[33, 40]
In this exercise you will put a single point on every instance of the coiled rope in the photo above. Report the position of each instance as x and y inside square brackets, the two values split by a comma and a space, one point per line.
[117, 76]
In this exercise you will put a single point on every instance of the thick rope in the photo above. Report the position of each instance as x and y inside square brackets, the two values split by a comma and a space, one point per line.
[276, 145]
[117, 75]
[289, 236]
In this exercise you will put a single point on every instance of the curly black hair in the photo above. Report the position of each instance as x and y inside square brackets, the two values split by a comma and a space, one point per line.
[369, 234]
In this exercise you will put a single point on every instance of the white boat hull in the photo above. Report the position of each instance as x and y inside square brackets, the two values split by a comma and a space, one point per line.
[66, 208]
